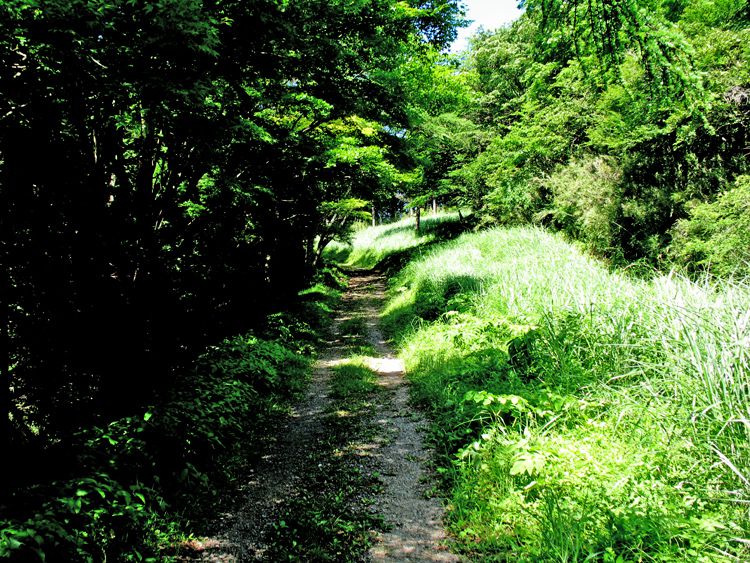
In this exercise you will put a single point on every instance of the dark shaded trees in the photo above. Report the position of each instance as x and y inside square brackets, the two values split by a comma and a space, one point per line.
[165, 169]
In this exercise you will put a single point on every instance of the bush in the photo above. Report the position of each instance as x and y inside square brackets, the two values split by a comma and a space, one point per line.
[586, 201]
[716, 236]
[142, 475]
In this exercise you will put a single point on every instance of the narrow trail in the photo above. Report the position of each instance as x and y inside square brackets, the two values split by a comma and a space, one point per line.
[417, 533]
[394, 450]
[275, 478]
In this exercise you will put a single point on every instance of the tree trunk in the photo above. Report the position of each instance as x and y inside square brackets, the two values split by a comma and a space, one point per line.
[5, 381]
[9, 247]
[373, 215]
[311, 256]
[434, 205]
[418, 213]
[318, 258]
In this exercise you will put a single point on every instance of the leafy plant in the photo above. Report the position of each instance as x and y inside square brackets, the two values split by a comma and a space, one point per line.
[144, 472]
[715, 236]
[586, 201]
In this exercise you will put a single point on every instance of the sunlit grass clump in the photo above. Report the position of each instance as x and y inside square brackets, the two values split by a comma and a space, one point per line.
[371, 245]
[579, 414]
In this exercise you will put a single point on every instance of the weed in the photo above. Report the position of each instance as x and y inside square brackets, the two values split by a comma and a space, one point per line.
[353, 382]
[353, 331]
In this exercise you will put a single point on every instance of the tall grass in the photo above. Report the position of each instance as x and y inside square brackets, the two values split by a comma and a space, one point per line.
[371, 245]
[579, 414]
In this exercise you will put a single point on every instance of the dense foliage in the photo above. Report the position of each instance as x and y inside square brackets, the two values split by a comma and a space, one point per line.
[173, 171]
[608, 121]
[118, 487]
[166, 167]
[166, 170]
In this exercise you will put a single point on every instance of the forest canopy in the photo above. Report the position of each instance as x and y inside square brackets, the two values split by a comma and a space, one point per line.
[166, 169]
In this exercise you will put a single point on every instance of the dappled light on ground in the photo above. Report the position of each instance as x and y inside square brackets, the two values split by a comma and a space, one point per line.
[355, 432]
[417, 532]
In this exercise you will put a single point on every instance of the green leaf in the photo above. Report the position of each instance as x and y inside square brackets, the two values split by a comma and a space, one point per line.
[521, 466]
[13, 543]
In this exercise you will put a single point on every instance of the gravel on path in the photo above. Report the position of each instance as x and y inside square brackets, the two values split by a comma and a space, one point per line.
[416, 518]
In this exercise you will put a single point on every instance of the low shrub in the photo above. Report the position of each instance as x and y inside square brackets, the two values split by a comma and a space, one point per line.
[140, 478]
[586, 201]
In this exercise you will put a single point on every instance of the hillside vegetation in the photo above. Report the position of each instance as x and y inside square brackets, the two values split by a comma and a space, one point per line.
[371, 246]
[623, 125]
[578, 413]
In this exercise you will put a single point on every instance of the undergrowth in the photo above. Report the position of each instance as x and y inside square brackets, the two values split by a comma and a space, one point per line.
[140, 481]
[579, 414]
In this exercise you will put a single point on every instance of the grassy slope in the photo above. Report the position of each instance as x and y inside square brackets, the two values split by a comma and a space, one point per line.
[577, 412]
[372, 245]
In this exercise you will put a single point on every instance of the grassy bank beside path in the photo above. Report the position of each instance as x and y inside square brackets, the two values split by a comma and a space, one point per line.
[578, 414]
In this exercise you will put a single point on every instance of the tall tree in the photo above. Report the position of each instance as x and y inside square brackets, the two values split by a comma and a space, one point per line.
[165, 166]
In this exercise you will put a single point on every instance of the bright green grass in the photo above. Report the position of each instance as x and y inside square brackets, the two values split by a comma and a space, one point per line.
[353, 381]
[579, 414]
[371, 245]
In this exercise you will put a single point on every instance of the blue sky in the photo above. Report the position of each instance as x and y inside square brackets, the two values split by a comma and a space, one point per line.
[489, 14]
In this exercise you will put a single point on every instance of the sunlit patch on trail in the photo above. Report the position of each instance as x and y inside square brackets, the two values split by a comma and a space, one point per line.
[385, 366]
[330, 363]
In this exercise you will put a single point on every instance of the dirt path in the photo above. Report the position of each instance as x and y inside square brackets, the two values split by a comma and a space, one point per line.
[394, 449]
[417, 533]
[275, 478]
